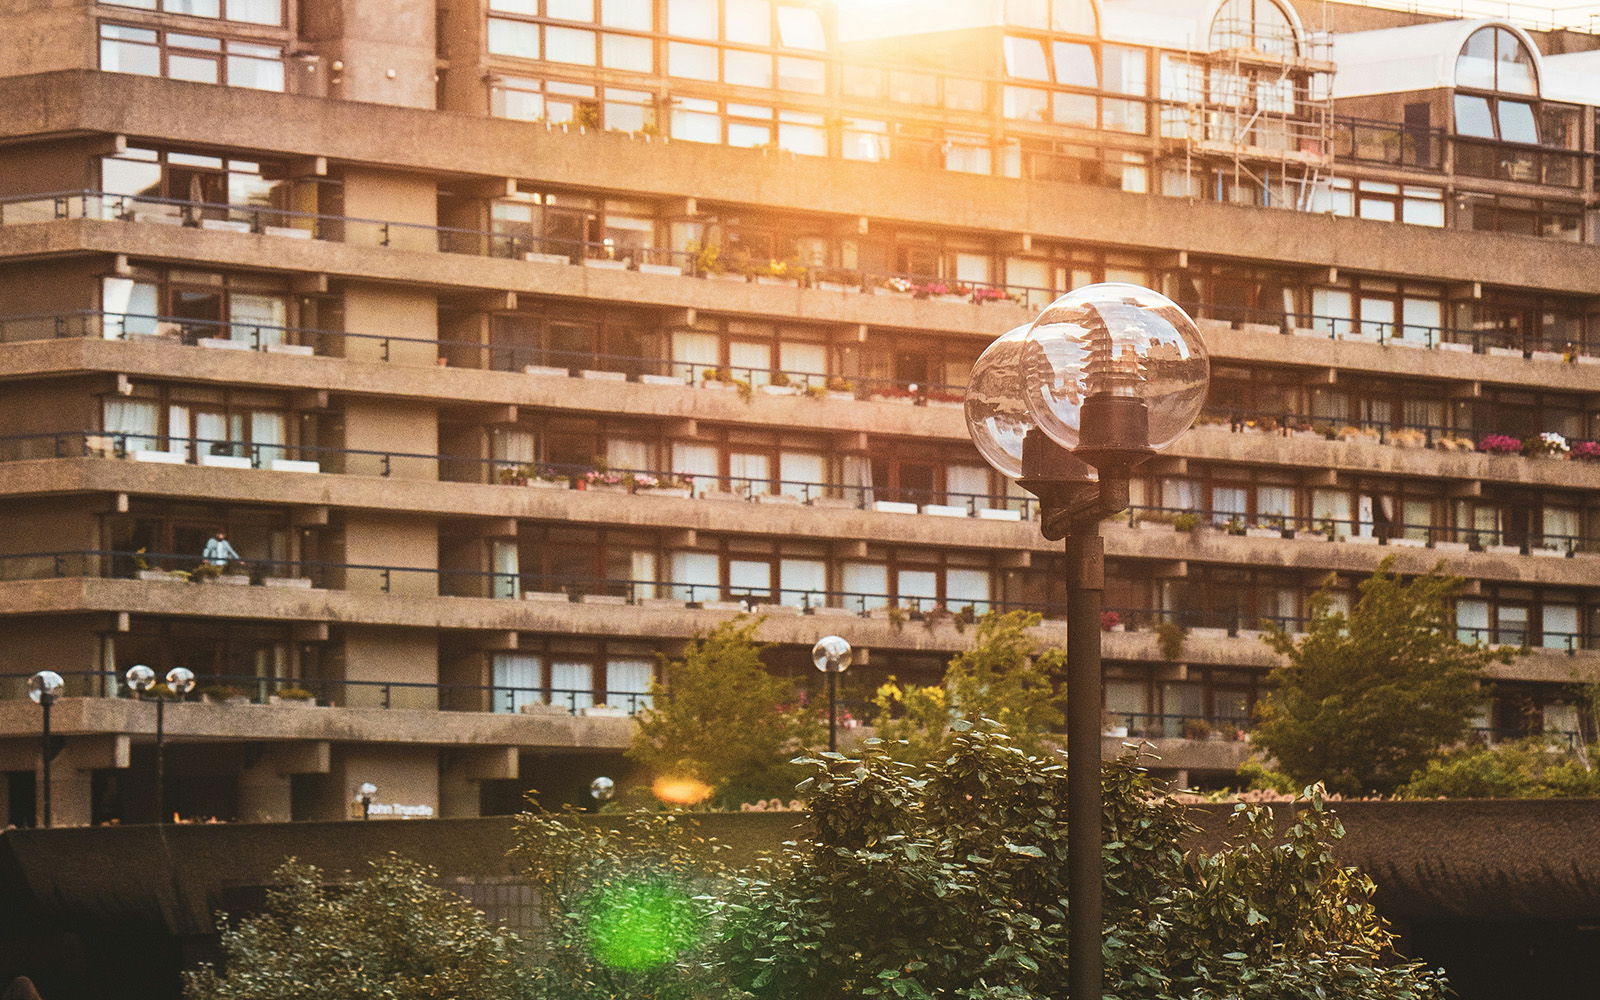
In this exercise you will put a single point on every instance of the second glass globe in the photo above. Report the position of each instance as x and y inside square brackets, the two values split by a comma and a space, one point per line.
[1114, 340]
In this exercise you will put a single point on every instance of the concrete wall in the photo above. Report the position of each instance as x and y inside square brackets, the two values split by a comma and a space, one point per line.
[386, 47]
[391, 426]
[394, 540]
[388, 311]
[393, 655]
[46, 35]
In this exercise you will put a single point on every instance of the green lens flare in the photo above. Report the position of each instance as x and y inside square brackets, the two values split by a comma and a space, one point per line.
[640, 926]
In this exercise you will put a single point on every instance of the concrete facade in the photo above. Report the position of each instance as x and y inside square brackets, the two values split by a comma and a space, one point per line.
[389, 296]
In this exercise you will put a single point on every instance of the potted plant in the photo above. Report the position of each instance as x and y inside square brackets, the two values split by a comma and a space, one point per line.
[839, 387]
[1195, 729]
[1185, 522]
[779, 384]
[1408, 437]
[1234, 526]
[1586, 451]
[295, 696]
[1546, 445]
[1499, 444]
[1170, 638]
[215, 694]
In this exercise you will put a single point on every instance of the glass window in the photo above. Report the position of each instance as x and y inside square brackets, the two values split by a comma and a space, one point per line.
[1028, 13]
[194, 8]
[1075, 17]
[140, 4]
[804, 133]
[692, 18]
[963, 587]
[634, 14]
[1472, 116]
[513, 38]
[518, 680]
[1475, 64]
[694, 62]
[913, 88]
[802, 76]
[628, 684]
[750, 578]
[865, 139]
[257, 67]
[129, 50]
[1026, 104]
[803, 582]
[569, 10]
[628, 110]
[256, 11]
[572, 684]
[627, 52]
[749, 22]
[747, 69]
[1075, 65]
[1124, 69]
[801, 28]
[1516, 122]
[863, 83]
[569, 45]
[1025, 58]
[528, 7]
[696, 576]
[865, 585]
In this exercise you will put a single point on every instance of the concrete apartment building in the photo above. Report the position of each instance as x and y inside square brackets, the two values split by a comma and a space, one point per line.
[513, 342]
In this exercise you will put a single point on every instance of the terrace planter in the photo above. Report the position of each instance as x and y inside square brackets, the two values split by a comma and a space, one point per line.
[1164, 527]
[603, 712]
[1451, 546]
[1408, 543]
[1451, 346]
[273, 699]
[1555, 356]
[665, 491]
[767, 279]
[840, 394]
[161, 575]
[661, 380]
[1503, 550]
[902, 400]
[993, 514]
[834, 286]
[544, 370]
[1549, 553]
[546, 596]
[288, 582]
[294, 465]
[1359, 540]
[1503, 352]
[667, 269]
[547, 258]
[603, 376]
[781, 390]
[893, 507]
[727, 276]
[228, 580]
[610, 600]
[547, 484]
[722, 606]
[605, 264]
[945, 510]
[1263, 532]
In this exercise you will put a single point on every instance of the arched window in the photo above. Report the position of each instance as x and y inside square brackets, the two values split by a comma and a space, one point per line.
[1254, 24]
[1495, 59]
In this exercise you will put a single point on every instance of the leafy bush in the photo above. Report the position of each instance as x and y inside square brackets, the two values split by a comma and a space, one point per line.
[1528, 769]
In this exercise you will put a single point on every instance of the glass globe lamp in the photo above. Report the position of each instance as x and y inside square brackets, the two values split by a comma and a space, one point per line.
[45, 686]
[140, 678]
[602, 788]
[831, 654]
[180, 680]
[995, 406]
[1113, 372]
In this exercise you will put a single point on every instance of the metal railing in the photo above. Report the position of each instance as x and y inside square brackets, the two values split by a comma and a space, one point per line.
[1479, 339]
[257, 690]
[1403, 434]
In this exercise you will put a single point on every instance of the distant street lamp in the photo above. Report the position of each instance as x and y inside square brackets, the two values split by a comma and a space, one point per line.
[180, 681]
[1067, 406]
[602, 788]
[832, 656]
[44, 688]
[365, 794]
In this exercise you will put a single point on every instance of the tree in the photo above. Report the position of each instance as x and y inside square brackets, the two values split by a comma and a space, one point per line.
[1003, 677]
[947, 880]
[394, 934]
[722, 719]
[1366, 699]
[1534, 768]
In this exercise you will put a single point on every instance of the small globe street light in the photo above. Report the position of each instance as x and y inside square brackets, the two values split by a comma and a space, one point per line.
[44, 688]
[365, 795]
[832, 656]
[1107, 376]
[180, 681]
[601, 789]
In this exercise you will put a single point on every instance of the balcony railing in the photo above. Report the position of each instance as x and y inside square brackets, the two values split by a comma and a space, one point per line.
[256, 690]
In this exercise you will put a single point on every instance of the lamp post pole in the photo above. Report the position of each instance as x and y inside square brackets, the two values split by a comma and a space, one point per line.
[366, 793]
[44, 688]
[1067, 406]
[832, 656]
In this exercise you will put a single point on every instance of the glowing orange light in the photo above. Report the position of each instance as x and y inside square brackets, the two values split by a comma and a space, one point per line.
[681, 791]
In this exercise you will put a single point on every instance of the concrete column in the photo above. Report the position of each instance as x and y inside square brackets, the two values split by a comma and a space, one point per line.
[461, 770]
[378, 51]
[391, 655]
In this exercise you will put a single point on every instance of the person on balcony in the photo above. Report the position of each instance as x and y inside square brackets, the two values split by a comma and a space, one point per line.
[218, 552]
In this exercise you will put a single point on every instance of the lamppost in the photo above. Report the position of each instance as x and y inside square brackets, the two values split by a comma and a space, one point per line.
[832, 656]
[601, 789]
[44, 688]
[180, 681]
[365, 794]
[1067, 406]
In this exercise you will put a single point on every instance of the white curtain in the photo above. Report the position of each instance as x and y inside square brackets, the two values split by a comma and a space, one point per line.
[696, 576]
[511, 448]
[133, 417]
[967, 586]
[804, 359]
[858, 479]
[129, 307]
[917, 588]
[256, 316]
[698, 462]
[1472, 621]
[750, 472]
[518, 681]
[866, 585]
[507, 578]
[267, 436]
[803, 582]
[694, 353]
[965, 484]
[1560, 625]
[628, 455]
[799, 470]
[751, 577]
[572, 684]
[642, 567]
[629, 677]
[750, 360]
[178, 431]
[211, 434]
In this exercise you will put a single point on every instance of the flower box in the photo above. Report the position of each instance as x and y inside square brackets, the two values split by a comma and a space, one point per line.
[774, 609]
[548, 484]
[893, 507]
[544, 370]
[1451, 546]
[288, 582]
[726, 276]
[949, 297]
[1302, 331]
[1450, 345]
[1588, 359]
[228, 580]
[721, 495]
[287, 231]
[662, 602]
[840, 394]
[603, 712]
[1503, 550]
[599, 487]
[161, 575]
[273, 699]
[160, 457]
[294, 465]
[880, 290]
[600, 376]
[605, 264]
[834, 286]
[303, 350]
[826, 612]
[1549, 553]
[1358, 338]
[993, 514]
[223, 344]
[722, 606]
[769, 279]
[1409, 543]
[778, 498]
[669, 269]
[546, 596]
[1263, 532]
[661, 380]
[1359, 540]
[610, 600]
[944, 510]
[225, 225]
[547, 258]
[1160, 526]
[540, 708]
[665, 491]
[1555, 356]
[225, 461]
[1208, 633]
[781, 390]
[716, 385]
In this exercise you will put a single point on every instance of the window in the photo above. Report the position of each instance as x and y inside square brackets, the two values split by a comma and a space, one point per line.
[1495, 58]
[1254, 24]
[194, 58]
[248, 11]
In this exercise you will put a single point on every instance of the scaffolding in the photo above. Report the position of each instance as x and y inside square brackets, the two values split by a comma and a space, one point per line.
[1256, 112]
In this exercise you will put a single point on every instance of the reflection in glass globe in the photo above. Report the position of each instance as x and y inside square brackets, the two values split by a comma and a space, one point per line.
[46, 685]
[995, 406]
[180, 680]
[140, 678]
[831, 654]
[602, 788]
[1108, 341]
